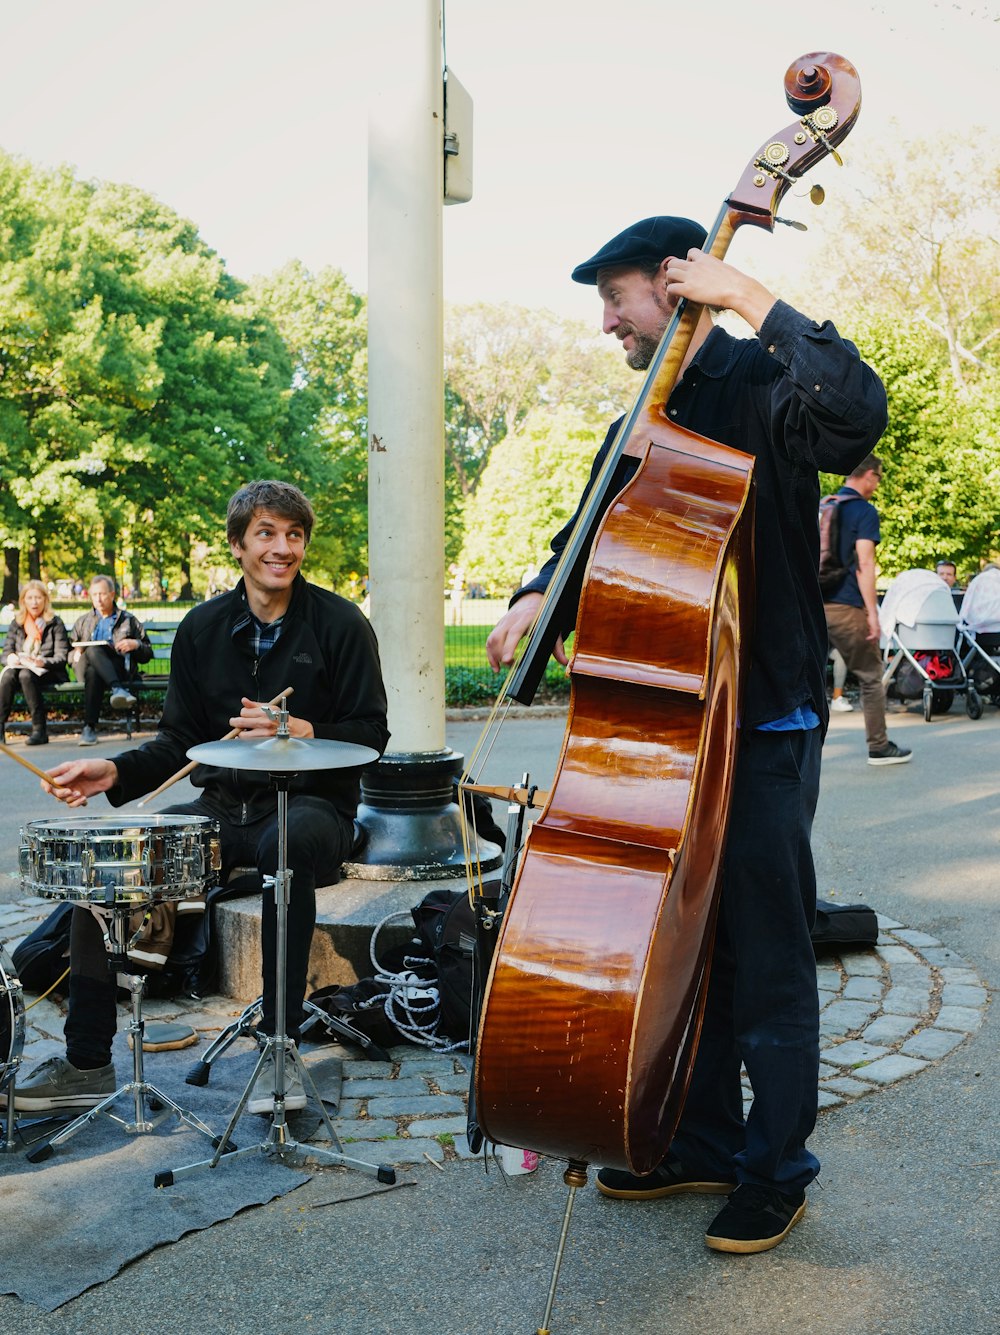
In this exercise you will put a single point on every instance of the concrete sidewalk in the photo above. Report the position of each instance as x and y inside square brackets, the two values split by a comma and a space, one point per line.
[900, 1235]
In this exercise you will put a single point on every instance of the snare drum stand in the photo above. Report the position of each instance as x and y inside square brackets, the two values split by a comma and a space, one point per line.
[139, 1088]
[278, 1144]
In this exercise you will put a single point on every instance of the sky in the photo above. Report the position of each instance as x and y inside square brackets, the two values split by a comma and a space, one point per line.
[249, 117]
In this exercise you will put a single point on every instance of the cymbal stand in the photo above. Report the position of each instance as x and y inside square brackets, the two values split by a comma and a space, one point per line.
[278, 1144]
[138, 1087]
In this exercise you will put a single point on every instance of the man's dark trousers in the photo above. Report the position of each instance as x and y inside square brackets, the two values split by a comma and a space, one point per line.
[762, 1007]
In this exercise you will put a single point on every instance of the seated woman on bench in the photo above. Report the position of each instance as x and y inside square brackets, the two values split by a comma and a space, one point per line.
[34, 657]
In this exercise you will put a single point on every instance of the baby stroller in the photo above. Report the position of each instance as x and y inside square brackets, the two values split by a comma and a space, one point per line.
[920, 645]
[979, 633]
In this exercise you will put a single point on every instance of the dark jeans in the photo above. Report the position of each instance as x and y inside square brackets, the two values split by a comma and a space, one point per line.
[762, 1007]
[100, 669]
[31, 688]
[319, 840]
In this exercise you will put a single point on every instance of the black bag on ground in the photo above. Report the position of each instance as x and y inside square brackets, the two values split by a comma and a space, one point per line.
[840, 925]
[446, 925]
[362, 1006]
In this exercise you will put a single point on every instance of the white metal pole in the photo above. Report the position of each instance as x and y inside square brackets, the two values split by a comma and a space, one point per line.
[405, 369]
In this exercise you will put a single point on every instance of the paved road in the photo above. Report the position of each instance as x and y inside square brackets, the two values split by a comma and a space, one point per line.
[900, 1236]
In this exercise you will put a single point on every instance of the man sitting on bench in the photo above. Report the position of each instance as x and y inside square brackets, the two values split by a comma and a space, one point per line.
[109, 644]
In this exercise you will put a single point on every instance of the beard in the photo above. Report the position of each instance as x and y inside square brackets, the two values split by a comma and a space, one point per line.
[643, 347]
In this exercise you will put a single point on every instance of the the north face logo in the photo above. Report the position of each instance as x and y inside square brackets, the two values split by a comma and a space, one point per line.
[302, 658]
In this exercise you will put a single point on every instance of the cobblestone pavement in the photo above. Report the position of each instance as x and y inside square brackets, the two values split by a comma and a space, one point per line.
[887, 1014]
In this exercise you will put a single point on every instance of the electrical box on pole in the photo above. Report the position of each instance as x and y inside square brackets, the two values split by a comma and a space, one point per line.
[457, 141]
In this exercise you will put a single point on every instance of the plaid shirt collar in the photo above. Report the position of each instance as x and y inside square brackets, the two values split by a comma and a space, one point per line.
[262, 637]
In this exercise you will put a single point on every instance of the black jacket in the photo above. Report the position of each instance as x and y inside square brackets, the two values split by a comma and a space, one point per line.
[54, 649]
[327, 654]
[125, 627]
[800, 400]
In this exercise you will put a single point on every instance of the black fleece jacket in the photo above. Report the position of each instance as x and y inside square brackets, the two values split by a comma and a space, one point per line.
[326, 652]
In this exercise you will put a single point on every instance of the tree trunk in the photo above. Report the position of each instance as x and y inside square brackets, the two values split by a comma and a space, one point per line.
[34, 563]
[186, 594]
[110, 548]
[11, 574]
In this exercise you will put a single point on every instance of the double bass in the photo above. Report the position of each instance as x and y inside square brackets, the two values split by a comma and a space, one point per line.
[591, 1011]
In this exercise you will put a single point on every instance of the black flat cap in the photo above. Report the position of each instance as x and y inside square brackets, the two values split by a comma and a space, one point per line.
[650, 239]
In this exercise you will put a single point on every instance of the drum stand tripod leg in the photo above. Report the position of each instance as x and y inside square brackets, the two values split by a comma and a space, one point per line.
[245, 1023]
[138, 1087]
[241, 1027]
[278, 1143]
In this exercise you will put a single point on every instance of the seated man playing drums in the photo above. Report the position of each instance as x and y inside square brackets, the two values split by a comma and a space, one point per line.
[273, 631]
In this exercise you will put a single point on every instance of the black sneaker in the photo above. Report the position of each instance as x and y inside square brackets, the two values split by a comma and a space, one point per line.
[755, 1219]
[890, 754]
[671, 1178]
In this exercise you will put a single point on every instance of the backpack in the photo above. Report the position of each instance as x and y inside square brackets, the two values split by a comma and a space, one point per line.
[832, 571]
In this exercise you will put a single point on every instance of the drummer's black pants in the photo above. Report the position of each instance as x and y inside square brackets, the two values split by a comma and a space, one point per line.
[319, 840]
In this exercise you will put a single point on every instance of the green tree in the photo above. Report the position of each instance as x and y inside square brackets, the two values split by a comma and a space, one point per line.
[503, 361]
[529, 488]
[940, 496]
[323, 325]
[136, 387]
[914, 231]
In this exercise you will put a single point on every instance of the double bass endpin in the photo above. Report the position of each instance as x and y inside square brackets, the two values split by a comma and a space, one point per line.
[575, 1177]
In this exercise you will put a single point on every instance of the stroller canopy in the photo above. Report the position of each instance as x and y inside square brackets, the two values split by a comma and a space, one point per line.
[919, 609]
[981, 604]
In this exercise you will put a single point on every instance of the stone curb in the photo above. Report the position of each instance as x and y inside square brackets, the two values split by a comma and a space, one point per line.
[886, 1014]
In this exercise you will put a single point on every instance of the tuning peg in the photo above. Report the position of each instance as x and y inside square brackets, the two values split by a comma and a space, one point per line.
[817, 194]
[793, 222]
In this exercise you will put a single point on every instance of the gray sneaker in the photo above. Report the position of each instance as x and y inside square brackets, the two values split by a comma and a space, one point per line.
[122, 698]
[262, 1098]
[88, 737]
[56, 1084]
[890, 754]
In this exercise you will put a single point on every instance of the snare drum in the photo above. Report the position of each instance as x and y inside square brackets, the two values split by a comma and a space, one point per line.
[104, 860]
[11, 1017]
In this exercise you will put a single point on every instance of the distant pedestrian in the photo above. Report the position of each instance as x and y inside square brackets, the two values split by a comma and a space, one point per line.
[852, 610]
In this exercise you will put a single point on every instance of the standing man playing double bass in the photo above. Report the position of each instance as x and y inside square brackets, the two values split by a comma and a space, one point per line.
[800, 400]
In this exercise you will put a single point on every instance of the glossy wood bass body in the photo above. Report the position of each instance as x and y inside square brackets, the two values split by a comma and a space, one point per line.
[594, 999]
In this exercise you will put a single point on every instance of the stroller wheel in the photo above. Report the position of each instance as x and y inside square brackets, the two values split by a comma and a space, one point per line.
[928, 704]
[942, 701]
[973, 703]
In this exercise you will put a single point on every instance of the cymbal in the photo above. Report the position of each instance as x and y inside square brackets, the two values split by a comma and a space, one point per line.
[283, 755]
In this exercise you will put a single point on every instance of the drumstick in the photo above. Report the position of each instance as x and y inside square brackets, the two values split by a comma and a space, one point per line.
[26, 762]
[182, 773]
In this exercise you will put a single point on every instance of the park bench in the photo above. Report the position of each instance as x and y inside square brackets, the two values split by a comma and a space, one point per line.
[151, 684]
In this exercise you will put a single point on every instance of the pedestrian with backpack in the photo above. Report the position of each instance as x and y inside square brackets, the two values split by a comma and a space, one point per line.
[849, 534]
